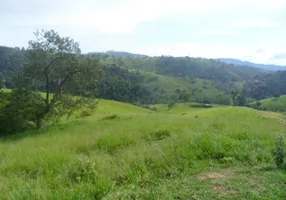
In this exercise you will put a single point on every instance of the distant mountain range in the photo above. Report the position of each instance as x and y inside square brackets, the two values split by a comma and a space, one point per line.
[122, 54]
[225, 60]
[246, 63]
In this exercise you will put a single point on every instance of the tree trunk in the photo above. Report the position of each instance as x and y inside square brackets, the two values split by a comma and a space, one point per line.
[39, 122]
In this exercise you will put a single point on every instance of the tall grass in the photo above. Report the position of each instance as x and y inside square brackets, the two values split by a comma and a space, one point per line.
[90, 158]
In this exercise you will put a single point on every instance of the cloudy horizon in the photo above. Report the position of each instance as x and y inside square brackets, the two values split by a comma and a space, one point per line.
[252, 31]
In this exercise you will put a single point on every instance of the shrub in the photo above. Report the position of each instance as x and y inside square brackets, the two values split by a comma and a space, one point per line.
[171, 105]
[85, 113]
[159, 134]
[153, 108]
[279, 152]
[111, 117]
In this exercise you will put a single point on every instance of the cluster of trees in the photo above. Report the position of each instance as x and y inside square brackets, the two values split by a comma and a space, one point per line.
[45, 84]
[122, 85]
[266, 85]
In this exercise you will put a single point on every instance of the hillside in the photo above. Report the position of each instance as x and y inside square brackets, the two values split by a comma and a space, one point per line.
[266, 85]
[271, 104]
[127, 152]
[250, 64]
[141, 79]
[183, 67]
[204, 78]
[168, 88]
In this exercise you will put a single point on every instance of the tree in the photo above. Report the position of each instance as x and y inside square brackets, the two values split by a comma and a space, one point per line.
[56, 67]
[184, 97]
[171, 104]
[2, 82]
[234, 94]
[238, 97]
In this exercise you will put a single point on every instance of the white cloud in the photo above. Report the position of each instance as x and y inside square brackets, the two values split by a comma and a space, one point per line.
[255, 23]
[124, 16]
[197, 49]
[204, 28]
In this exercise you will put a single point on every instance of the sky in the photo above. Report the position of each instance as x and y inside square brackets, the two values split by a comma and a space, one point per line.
[252, 30]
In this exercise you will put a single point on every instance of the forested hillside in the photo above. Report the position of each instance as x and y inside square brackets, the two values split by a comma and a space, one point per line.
[266, 85]
[142, 79]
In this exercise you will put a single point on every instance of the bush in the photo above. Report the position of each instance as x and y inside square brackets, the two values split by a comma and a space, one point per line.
[111, 117]
[159, 134]
[85, 113]
[171, 105]
[279, 152]
[153, 108]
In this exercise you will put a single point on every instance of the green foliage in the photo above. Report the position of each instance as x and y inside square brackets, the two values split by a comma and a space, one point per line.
[111, 117]
[171, 104]
[279, 152]
[185, 97]
[20, 111]
[85, 113]
[266, 85]
[122, 85]
[238, 97]
[56, 67]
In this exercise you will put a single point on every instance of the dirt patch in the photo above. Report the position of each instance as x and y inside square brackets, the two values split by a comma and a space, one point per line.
[221, 174]
[224, 190]
[219, 179]
[273, 115]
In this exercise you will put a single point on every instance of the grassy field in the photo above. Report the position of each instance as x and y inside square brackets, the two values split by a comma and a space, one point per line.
[166, 86]
[274, 104]
[128, 152]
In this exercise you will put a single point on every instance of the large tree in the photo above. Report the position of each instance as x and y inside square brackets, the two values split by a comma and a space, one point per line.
[55, 66]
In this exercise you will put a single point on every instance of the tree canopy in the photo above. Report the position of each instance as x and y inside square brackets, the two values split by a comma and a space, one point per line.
[55, 67]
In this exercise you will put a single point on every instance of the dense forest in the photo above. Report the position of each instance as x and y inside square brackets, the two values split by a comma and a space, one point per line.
[265, 85]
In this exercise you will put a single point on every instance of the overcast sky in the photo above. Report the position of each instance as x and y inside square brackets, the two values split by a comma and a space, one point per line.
[253, 30]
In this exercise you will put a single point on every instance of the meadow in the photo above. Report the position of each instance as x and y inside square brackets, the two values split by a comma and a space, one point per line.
[274, 104]
[123, 151]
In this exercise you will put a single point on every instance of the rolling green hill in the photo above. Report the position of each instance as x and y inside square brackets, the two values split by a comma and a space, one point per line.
[150, 79]
[272, 104]
[168, 88]
[127, 152]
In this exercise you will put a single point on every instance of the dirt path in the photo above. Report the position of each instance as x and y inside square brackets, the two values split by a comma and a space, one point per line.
[272, 115]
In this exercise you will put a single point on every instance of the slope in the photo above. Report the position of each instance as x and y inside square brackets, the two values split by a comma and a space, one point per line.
[168, 88]
[146, 155]
[271, 104]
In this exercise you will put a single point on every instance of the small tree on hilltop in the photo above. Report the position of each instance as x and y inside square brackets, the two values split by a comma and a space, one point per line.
[56, 67]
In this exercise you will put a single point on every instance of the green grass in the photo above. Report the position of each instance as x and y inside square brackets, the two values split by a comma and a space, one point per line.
[215, 153]
[274, 104]
[165, 86]
[5, 90]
